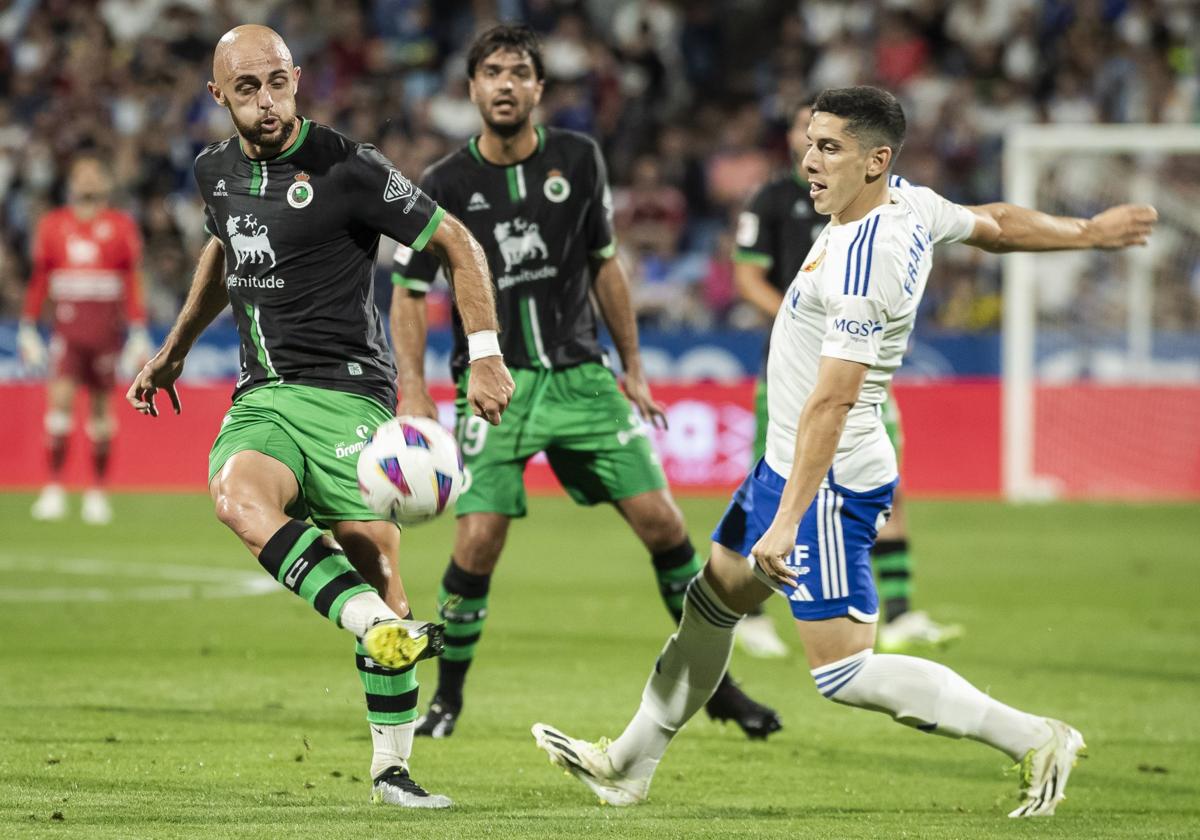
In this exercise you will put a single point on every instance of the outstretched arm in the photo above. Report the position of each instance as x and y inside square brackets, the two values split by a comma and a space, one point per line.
[1002, 227]
[490, 386]
[616, 307]
[205, 300]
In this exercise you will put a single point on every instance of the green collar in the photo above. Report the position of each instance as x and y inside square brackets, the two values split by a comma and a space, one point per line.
[473, 148]
[305, 125]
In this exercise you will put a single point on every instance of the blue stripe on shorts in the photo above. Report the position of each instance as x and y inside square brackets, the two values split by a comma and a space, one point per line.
[833, 543]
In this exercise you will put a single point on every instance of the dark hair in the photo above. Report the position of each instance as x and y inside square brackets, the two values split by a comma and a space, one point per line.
[510, 38]
[872, 115]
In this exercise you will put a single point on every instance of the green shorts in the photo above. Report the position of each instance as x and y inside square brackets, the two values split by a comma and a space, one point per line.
[591, 434]
[890, 412]
[760, 419]
[316, 432]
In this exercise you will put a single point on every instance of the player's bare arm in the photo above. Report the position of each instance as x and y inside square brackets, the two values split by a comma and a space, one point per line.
[205, 300]
[1003, 227]
[490, 386]
[407, 317]
[616, 307]
[818, 432]
[752, 286]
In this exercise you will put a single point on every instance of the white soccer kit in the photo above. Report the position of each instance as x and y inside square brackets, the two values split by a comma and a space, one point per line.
[856, 298]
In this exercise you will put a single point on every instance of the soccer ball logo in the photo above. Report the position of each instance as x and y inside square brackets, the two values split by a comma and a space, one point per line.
[410, 470]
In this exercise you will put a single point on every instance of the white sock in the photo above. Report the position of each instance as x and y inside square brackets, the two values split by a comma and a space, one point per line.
[930, 697]
[363, 611]
[684, 677]
[392, 744]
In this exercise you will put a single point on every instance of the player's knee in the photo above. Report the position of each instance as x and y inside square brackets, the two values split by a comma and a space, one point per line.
[660, 524]
[236, 512]
[836, 680]
[101, 428]
[478, 545]
[58, 423]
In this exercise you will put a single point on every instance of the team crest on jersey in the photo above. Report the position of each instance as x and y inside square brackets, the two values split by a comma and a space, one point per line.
[556, 188]
[300, 193]
[518, 241]
[812, 266]
[249, 241]
[219, 190]
[477, 202]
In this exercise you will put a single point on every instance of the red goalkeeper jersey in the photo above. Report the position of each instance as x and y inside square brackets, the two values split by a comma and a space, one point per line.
[89, 272]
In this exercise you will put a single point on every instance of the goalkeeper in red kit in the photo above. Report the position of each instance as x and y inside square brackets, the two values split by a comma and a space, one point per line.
[86, 259]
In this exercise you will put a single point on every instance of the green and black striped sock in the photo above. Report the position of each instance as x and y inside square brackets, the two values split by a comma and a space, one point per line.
[391, 693]
[462, 604]
[893, 564]
[675, 569]
[301, 559]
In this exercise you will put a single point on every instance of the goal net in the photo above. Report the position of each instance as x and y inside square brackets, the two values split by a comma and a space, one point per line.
[1101, 350]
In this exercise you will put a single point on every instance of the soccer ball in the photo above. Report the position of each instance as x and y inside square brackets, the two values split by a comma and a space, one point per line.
[410, 470]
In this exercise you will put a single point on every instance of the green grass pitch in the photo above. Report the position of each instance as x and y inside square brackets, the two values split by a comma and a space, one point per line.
[138, 699]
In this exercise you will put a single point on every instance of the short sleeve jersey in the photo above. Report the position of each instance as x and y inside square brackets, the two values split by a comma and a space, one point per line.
[88, 269]
[300, 232]
[777, 228]
[855, 298]
[541, 222]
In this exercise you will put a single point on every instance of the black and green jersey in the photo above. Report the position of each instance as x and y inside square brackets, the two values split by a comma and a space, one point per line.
[300, 232]
[777, 228]
[542, 222]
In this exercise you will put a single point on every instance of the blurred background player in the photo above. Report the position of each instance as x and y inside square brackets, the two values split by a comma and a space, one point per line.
[86, 261]
[538, 201]
[774, 232]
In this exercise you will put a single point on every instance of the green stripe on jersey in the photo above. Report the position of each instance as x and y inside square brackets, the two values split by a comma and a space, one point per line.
[430, 227]
[264, 358]
[292, 149]
[473, 148]
[741, 255]
[256, 177]
[607, 252]
[413, 284]
[510, 174]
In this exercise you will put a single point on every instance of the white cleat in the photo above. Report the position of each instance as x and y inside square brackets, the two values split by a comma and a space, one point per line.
[51, 505]
[1044, 771]
[913, 629]
[591, 765]
[395, 787]
[96, 509]
[756, 635]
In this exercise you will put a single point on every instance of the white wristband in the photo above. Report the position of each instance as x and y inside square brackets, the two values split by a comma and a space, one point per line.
[482, 344]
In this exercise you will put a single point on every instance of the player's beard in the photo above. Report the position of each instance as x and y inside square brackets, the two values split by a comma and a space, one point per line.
[254, 134]
[509, 129]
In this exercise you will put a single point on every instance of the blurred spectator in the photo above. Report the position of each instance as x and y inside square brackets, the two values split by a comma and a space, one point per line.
[688, 101]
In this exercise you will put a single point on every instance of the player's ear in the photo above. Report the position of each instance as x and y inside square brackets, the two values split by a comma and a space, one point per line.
[538, 90]
[471, 90]
[217, 96]
[878, 161]
[296, 78]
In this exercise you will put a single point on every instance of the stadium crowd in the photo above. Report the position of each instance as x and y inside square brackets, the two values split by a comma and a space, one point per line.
[689, 100]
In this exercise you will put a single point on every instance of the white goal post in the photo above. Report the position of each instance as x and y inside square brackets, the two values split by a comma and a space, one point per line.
[1051, 167]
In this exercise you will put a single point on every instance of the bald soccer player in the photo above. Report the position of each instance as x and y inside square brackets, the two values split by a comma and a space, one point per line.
[295, 211]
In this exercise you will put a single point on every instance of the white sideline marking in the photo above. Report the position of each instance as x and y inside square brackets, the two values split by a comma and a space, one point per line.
[182, 582]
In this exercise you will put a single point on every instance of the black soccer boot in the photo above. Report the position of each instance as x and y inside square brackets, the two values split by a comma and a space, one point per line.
[439, 721]
[731, 703]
